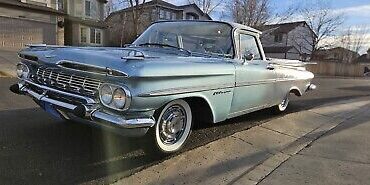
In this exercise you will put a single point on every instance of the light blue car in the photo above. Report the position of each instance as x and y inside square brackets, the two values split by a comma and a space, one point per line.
[176, 74]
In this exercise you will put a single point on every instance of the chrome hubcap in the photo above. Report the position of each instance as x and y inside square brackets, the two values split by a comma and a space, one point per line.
[285, 102]
[172, 124]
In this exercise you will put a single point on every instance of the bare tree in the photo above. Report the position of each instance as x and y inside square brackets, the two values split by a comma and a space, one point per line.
[354, 38]
[322, 21]
[207, 6]
[136, 10]
[287, 14]
[252, 13]
[109, 8]
[130, 21]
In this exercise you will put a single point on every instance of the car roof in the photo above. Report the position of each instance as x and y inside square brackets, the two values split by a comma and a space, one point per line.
[232, 24]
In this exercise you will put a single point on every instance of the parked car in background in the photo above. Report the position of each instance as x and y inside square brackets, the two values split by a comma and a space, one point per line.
[173, 75]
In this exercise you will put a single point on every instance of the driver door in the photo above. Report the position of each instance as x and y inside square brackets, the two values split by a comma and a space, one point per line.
[254, 78]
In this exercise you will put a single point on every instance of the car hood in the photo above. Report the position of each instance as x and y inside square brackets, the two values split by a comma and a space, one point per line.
[156, 61]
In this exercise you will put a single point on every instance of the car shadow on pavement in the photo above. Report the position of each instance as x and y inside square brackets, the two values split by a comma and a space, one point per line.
[37, 149]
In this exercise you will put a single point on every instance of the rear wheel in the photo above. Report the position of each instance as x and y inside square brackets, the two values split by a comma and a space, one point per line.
[172, 129]
[283, 105]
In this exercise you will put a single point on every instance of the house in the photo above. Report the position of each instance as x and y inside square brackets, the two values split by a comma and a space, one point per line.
[337, 54]
[30, 21]
[286, 52]
[365, 58]
[121, 24]
[292, 40]
[84, 22]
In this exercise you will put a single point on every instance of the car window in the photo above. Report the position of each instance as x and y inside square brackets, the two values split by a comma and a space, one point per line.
[168, 38]
[198, 37]
[248, 44]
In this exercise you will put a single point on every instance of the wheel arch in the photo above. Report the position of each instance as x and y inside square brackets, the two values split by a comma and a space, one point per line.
[295, 90]
[199, 105]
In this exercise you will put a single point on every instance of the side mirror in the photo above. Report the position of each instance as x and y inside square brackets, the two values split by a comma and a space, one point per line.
[248, 56]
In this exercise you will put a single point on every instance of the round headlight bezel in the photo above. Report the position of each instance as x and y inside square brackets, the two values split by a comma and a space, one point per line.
[115, 104]
[22, 71]
[119, 98]
[106, 94]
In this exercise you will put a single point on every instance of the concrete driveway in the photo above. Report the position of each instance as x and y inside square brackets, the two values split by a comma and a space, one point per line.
[8, 60]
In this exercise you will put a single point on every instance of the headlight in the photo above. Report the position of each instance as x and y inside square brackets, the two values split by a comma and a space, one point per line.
[119, 98]
[106, 94]
[114, 97]
[22, 70]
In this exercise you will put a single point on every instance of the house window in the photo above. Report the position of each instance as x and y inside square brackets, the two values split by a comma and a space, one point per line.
[60, 5]
[87, 8]
[173, 16]
[168, 15]
[191, 16]
[98, 36]
[83, 36]
[162, 14]
[278, 37]
[92, 35]
[154, 14]
[95, 36]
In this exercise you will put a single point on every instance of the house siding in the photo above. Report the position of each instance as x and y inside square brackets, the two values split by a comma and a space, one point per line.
[77, 18]
[121, 27]
[300, 37]
[20, 26]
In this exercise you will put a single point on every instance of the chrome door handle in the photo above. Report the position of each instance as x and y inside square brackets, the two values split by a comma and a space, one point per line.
[270, 67]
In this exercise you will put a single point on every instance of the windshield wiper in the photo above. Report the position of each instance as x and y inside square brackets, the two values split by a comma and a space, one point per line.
[165, 45]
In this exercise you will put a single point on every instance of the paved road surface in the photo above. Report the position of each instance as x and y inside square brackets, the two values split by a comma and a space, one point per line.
[36, 149]
[8, 60]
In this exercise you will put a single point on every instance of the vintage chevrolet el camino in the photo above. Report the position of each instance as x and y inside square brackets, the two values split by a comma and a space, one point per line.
[176, 74]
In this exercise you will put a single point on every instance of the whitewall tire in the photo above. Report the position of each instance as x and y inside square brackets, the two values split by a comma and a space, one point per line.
[283, 105]
[173, 126]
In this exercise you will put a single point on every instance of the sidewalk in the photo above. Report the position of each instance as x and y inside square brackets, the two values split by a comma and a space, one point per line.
[324, 145]
[8, 60]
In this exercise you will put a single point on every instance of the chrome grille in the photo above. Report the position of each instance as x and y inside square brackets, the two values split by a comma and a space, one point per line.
[68, 82]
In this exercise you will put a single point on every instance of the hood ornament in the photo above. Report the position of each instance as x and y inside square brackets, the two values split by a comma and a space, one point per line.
[132, 54]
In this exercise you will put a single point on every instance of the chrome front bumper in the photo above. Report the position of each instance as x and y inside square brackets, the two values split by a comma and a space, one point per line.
[89, 111]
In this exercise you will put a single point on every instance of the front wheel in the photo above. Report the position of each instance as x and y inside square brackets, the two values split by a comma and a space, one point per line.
[173, 127]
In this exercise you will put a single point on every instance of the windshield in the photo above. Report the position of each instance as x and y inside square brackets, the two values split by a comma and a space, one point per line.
[209, 38]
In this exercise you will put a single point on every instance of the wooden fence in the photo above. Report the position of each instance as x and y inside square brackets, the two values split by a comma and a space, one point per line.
[337, 69]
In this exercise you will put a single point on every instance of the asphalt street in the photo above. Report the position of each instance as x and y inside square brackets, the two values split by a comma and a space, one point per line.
[37, 149]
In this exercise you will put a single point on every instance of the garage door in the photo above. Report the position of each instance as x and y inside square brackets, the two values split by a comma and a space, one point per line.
[15, 33]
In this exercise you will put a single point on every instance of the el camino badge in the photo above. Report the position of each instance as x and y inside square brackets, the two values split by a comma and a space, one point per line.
[221, 92]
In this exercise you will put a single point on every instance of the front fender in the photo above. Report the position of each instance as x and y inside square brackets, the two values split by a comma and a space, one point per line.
[219, 101]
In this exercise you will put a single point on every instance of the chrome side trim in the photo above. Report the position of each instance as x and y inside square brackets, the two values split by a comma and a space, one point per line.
[181, 90]
[258, 82]
[87, 99]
